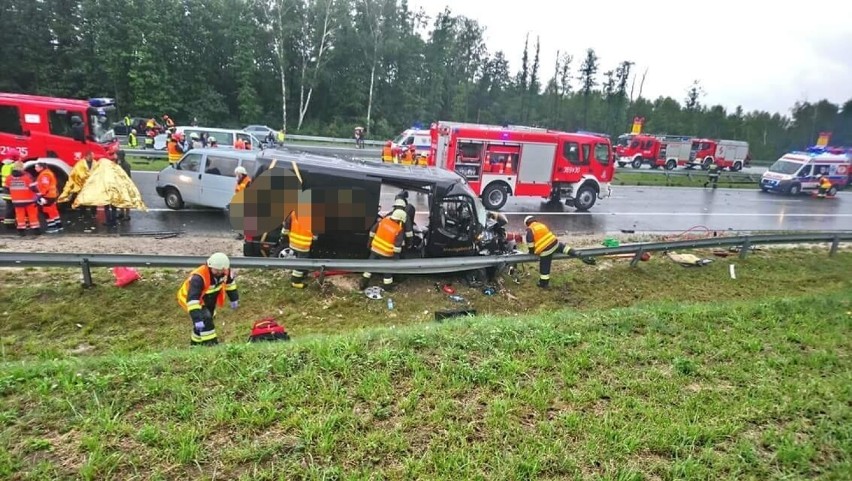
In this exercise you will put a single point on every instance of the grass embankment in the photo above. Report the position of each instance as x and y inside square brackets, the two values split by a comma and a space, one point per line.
[46, 314]
[695, 179]
[726, 390]
[151, 165]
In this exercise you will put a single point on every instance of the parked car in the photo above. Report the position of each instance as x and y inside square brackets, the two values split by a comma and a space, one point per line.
[205, 177]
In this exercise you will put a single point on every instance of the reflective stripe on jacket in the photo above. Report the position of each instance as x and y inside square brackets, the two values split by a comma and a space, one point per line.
[298, 232]
[208, 289]
[386, 238]
[46, 182]
[543, 239]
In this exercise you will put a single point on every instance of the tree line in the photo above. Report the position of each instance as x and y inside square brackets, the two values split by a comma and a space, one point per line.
[324, 66]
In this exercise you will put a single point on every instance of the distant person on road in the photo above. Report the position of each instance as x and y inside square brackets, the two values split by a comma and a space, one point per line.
[46, 182]
[132, 141]
[12, 155]
[125, 165]
[204, 290]
[25, 197]
[712, 175]
[243, 179]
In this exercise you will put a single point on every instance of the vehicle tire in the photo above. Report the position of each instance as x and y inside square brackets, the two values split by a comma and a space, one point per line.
[622, 164]
[706, 164]
[738, 166]
[832, 191]
[637, 163]
[795, 189]
[764, 190]
[671, 164]
[585, 198]
[495, 196]
[173, 199]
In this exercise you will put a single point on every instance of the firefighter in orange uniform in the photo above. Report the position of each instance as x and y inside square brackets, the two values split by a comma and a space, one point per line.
[175, 147]
[301, 237]
[387, 152]
[243, 180]
[24, 193]
[46, 183]
[204, 290]
[824, 186]
[544, 244]
[386, 238]
[408, 156]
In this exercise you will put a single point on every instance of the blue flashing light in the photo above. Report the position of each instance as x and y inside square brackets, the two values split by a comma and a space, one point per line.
[101, 102]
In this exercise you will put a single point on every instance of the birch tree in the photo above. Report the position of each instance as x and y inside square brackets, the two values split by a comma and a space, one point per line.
[315, 41]
[278, 25]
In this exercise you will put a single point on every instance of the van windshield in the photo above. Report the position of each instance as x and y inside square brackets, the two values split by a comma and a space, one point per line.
[785, 167]
[481, 212]
[101, 120]
[400, 138]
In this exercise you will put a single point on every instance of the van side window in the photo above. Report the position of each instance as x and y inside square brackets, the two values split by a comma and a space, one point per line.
[250, 166]
[571, 152]
[190, 162]
[10, 120]
[805, 172]
[602, 154]
[60, 122]
[221, 166]
[586, 150]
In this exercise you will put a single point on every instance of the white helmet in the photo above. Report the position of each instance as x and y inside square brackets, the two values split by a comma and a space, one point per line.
[528, 219]
[219, 261]
[211, 139]
[240, 170]
[399, 203]
[399, 215]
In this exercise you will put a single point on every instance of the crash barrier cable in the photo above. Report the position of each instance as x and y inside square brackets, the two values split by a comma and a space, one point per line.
[404, 266]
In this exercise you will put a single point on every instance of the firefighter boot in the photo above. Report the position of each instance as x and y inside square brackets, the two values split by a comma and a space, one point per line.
[544, 283]
[363, 283]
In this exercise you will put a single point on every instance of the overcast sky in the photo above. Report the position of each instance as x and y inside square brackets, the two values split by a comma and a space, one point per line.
[759, 54]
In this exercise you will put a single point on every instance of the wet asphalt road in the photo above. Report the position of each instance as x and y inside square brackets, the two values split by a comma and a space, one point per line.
[639, 209]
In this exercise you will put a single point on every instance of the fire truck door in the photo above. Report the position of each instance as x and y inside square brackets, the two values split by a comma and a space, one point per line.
[536, 163]
[599, 161]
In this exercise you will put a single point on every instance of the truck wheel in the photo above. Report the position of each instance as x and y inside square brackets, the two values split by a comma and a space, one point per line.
[637, 163]
[585, 198]
[495, 196]
[173, 199]
[671, 164]
[795, 189]
[621, 164]
[738, 166]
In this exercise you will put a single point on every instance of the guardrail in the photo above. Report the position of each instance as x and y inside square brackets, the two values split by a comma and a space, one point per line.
[403, 266]
[727, 177]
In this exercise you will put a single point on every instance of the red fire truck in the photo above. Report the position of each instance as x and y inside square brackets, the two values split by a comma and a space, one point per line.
[727, 154]
[524, 161]
[60, 131]
[667, 151]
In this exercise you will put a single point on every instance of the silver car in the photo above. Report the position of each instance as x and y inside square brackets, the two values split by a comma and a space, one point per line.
[205, 177]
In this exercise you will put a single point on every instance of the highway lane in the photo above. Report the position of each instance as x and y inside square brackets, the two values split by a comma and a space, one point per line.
[638, 209]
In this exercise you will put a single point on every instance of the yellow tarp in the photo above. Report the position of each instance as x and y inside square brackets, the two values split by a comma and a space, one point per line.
[108, 184]
[76, 180]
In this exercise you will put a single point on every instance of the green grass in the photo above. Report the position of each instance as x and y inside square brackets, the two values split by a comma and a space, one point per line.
[695, 179]
[724, 390]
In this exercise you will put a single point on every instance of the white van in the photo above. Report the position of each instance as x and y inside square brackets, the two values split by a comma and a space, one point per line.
[421, 139]
[798, 172]
[205, 177]
[224, 137]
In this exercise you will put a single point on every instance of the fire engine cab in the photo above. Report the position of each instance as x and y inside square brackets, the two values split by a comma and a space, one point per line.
[59, 131]
[525, 162]
[727, 154]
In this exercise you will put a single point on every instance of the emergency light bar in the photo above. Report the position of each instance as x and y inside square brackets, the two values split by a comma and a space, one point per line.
[101, 102]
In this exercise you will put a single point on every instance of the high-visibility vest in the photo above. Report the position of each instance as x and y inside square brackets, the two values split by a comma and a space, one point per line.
[243, 184]
[206, 277]
[5, 172]
[21, 189]
[387, 154]
[825, 183]
[46, 182]
[131, 140]
[299, 233]
[174, 153]
[384, 242]
[542, 237]
[408, 158]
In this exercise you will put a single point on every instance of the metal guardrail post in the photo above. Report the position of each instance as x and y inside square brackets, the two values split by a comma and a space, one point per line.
[745, 247]
[637, 257]
[87, 274]
[835, 243]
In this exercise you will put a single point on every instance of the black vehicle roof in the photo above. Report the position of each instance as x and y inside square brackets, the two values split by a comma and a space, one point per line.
[404, 176]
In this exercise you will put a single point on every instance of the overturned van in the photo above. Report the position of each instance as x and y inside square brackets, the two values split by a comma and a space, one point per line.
[343, 199]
